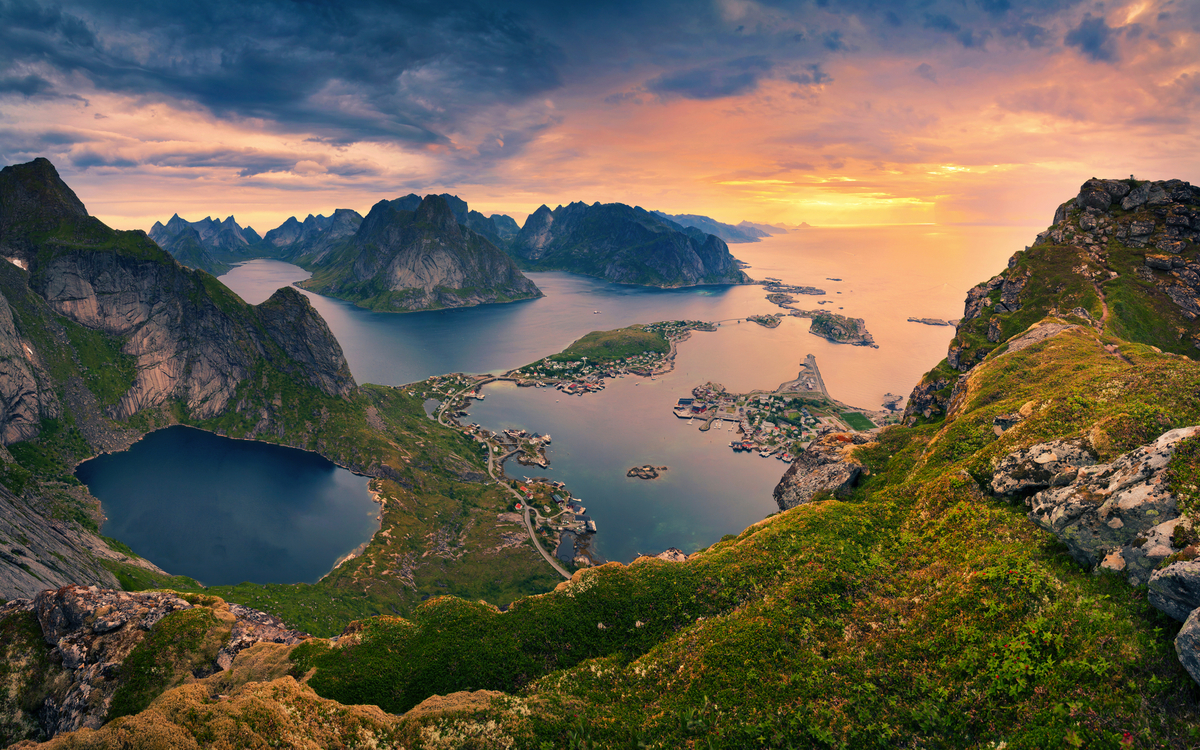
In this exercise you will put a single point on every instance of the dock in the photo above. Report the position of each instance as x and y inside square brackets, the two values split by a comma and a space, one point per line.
[809, 380]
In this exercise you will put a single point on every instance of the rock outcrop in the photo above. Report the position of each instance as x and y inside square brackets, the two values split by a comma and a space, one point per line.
[624, 244]
[91, 634]
[824, 466]
[1118, 516]
[401, 261]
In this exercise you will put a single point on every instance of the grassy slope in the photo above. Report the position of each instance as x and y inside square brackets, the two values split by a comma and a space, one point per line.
[1138, 311]
[920, 612]
[607, 346]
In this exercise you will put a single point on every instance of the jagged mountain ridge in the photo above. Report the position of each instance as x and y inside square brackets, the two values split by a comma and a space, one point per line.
[209, 245]
[625, 244]
[402, 260]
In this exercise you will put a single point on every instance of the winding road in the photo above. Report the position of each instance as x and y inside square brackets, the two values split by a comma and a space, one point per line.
[491, 467]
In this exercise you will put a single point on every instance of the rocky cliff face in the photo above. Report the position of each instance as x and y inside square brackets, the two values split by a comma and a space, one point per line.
[1121, 256]
[401, 260]
[623, 244]
[193, 340]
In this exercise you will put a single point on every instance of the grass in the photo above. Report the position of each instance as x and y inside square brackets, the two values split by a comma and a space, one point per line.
[918, 612]
[601, 347]
[182, 642]
[857, 420]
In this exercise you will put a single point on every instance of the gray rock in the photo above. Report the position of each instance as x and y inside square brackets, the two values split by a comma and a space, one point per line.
[1161, 262]
[1116, 188]
[1119, 515]
[1089, 220]
[1137, 197]
[1187, 645]
[1141, 228]
[1175, 589]
[1094, 194]
[821, 467]
[1040, 466]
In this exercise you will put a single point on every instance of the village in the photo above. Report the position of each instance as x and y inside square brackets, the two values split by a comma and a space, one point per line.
[777, 423]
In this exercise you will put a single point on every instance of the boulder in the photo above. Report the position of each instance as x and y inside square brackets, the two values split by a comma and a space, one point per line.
[1187, 645]
[1161, 262]
[1094, 194]
[824, 466]
[1040, 466]
[1119, 515]
[1137, 197]
[1175, 589]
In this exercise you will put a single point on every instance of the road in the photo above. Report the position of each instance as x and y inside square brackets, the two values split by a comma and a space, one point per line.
[491, 467]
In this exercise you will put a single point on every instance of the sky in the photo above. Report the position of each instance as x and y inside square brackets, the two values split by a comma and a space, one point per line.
[861, 112]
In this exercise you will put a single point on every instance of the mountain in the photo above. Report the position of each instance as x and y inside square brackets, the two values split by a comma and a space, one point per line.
[309, 242]
[741, 233]
[621, 243]
[210, 245]
[403, 259]
[766, 229]
[497, 228]
[1117, 257]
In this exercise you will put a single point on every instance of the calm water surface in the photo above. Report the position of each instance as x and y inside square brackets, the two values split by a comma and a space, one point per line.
[883, 274]
[225, 511]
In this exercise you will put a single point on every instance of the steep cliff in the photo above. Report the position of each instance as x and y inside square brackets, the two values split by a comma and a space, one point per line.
[401, 260]
[623, 244]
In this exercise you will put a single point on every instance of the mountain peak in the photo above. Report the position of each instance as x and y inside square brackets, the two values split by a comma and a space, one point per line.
[435, 210]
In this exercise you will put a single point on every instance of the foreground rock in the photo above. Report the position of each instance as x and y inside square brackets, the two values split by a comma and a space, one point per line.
[1120, 515]
[94, 636]
[824, 466]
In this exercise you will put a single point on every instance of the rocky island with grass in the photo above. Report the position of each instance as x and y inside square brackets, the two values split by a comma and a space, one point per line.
[1014, 566]
[841, 330]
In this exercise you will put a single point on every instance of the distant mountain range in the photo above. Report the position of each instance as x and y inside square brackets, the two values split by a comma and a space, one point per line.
[611, 241]
[208, 244]
[743, 232]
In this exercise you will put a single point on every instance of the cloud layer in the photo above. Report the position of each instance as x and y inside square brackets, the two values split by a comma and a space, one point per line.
[818, 110]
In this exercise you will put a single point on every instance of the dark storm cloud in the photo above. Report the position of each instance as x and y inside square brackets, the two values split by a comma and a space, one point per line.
[347, 71]
[712, 82]
[1094, 38]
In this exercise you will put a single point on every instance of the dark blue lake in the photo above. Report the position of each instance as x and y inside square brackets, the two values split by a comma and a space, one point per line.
[226, 511]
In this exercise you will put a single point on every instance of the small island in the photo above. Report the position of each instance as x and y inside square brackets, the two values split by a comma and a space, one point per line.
[645, 472]
[933, 321]
[842, 330]
[767, 321]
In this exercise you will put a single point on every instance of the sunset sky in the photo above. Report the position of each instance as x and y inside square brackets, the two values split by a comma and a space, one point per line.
[832, 113]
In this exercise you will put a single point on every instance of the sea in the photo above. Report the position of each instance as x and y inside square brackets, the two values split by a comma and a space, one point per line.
[884, 275]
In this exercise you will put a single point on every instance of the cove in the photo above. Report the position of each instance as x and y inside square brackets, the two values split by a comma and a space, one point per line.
[226, 511]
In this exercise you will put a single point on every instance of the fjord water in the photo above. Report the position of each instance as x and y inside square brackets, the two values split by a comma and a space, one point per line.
[225, 511]
[881, 274]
